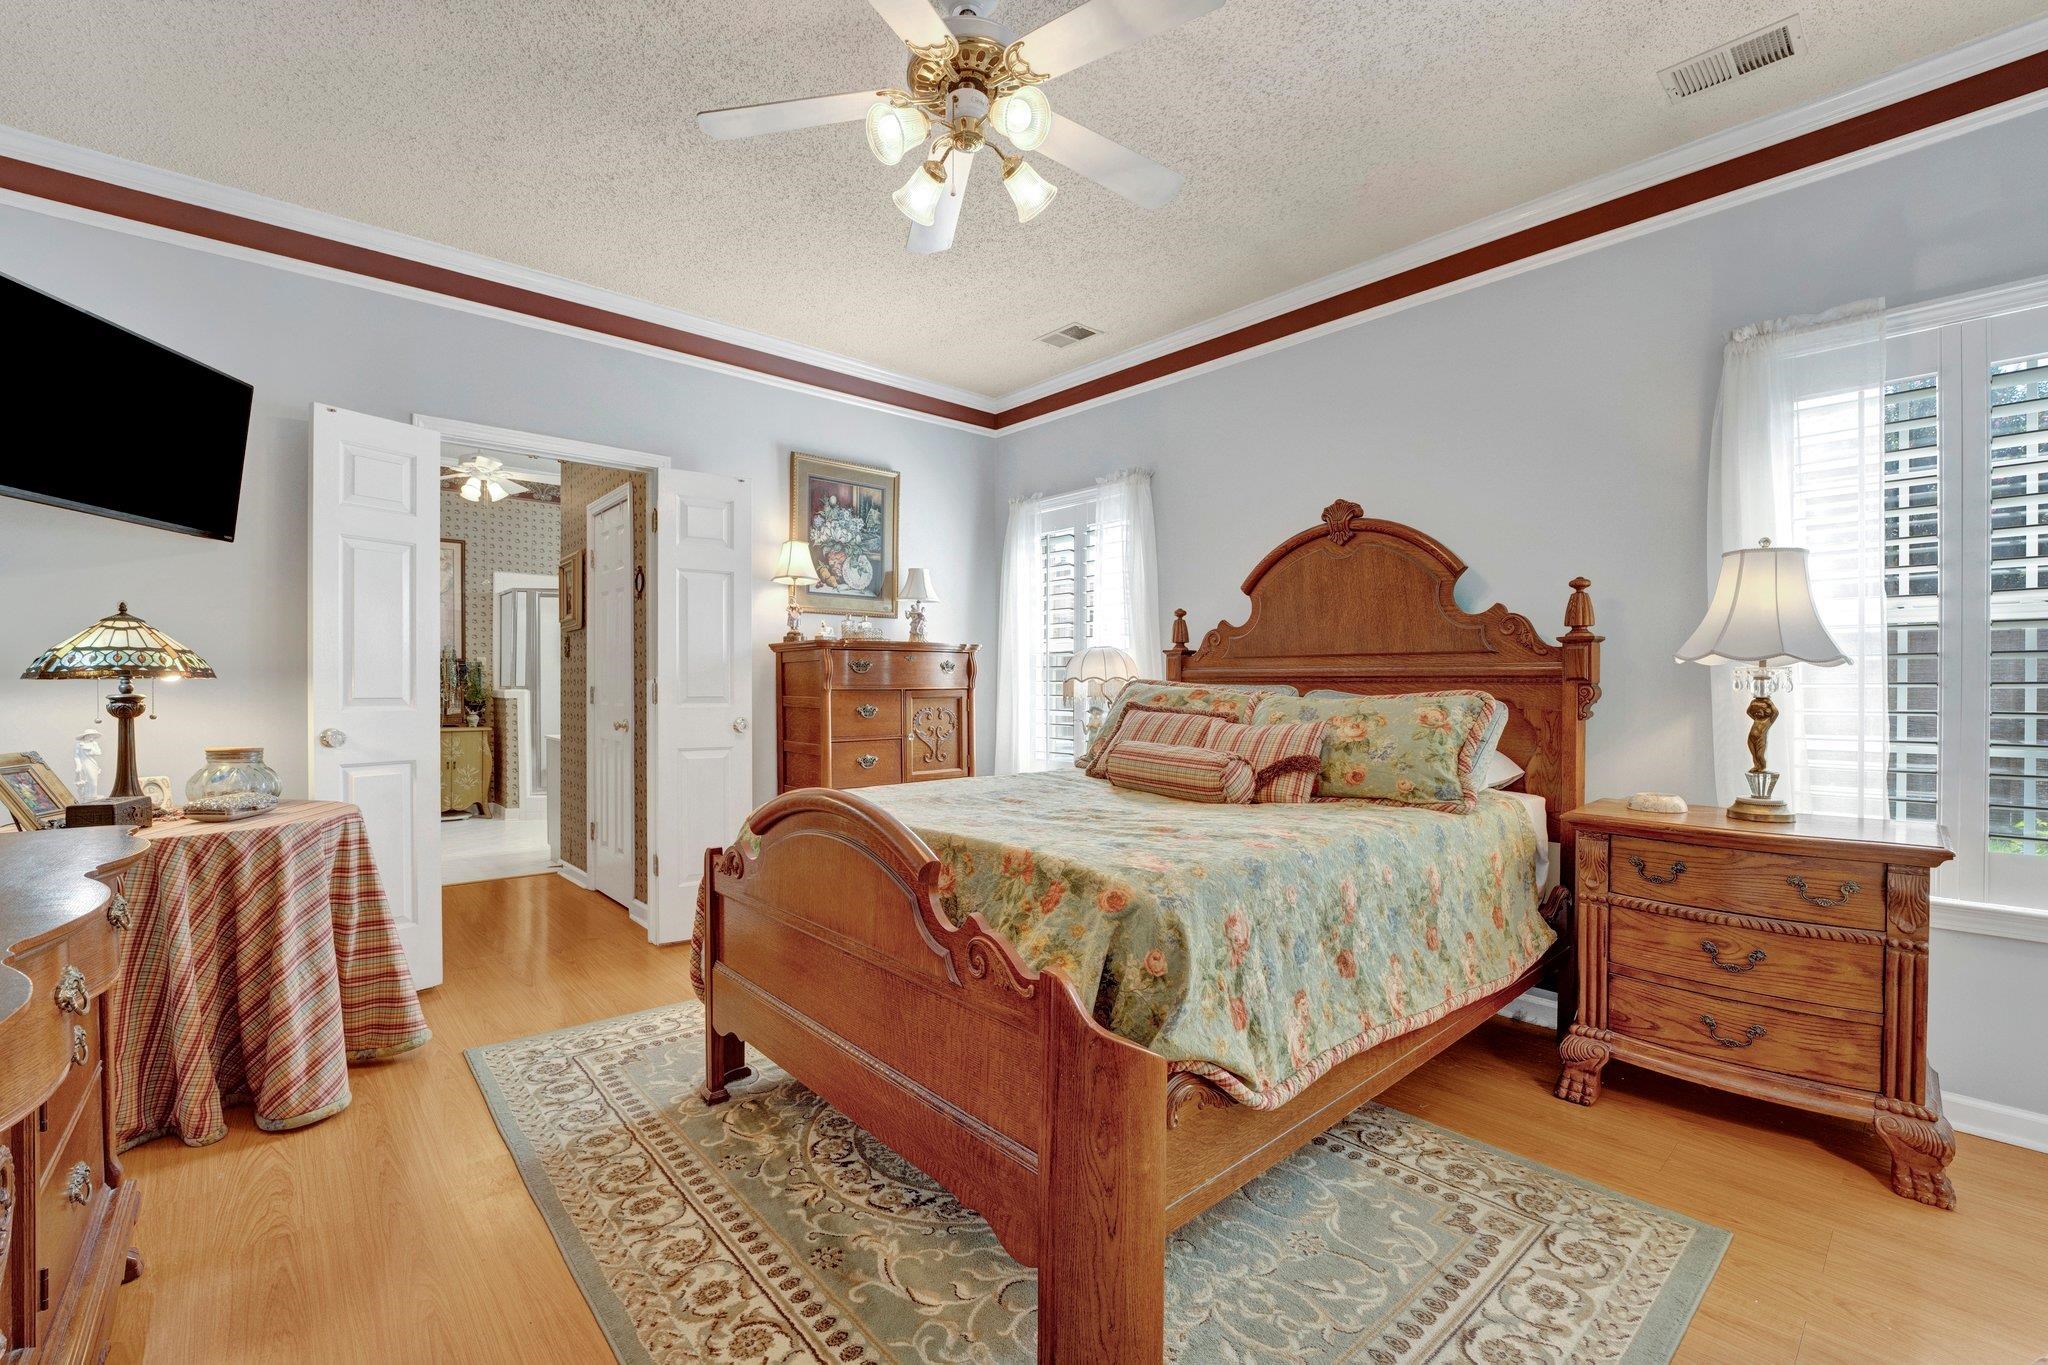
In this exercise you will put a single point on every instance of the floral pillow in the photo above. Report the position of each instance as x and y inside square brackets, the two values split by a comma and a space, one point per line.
[1231, 703]
[1415, 749]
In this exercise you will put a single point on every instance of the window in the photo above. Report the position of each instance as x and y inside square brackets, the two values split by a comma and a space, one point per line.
[1084, 542]
[1965, 411]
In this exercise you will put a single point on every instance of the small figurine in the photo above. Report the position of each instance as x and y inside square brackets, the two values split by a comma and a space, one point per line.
[85, 757]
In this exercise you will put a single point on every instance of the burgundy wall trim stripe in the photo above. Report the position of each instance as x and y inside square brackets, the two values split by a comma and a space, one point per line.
[1910, 115]
[1916, 113]
[64, 187]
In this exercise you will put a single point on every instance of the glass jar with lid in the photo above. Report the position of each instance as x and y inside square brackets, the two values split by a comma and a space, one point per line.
[235, 784]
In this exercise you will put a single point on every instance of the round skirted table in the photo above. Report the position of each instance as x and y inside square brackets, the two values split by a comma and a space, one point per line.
[260, 960]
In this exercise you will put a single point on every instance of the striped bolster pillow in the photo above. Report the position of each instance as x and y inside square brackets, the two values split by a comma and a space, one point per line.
[1181, 771]
[1158, 725]
[1284, 759]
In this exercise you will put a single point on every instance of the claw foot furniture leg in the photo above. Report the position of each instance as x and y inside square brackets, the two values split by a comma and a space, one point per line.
[1921, 1144]
[1583, 1055]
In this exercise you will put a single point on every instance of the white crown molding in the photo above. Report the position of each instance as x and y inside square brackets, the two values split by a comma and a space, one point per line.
[1910, 80]
[95, 165]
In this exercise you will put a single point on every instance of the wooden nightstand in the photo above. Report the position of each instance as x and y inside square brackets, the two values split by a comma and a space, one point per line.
[1786, 962]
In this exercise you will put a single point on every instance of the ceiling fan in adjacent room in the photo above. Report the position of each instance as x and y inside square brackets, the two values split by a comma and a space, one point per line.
[974, 84]
[479, 477]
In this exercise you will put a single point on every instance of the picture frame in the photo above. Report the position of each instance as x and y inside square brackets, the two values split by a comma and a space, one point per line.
[849, 514]
[33, 795]
[454, 620]
[569, 592]
[158, 790]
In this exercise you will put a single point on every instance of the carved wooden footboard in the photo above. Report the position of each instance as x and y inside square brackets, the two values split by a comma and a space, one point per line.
[824, 948]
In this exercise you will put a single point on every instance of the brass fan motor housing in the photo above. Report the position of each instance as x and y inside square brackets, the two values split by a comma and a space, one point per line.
[974, 63]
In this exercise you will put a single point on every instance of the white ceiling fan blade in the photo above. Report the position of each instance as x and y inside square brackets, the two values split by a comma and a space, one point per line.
[1101, 27]
[1111, 165]
[928, 241]
[915, 21]
[751, 120]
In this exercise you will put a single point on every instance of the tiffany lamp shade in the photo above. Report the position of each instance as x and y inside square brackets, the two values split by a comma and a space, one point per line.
[125, 647]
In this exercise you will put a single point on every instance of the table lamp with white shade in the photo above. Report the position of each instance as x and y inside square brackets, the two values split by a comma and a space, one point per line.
[794, 569]
[917, 586]
[1762, 620]
[1099, 671]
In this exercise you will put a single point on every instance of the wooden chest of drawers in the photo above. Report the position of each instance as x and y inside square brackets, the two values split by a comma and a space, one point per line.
[1787, 962]
[862, 713]
[66, 1214]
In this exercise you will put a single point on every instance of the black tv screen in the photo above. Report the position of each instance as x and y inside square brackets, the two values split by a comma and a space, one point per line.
[164, 440]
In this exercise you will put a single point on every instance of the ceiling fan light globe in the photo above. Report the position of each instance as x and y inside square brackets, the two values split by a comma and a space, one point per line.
[895, 130]
[919, 198]
[1023, 117]
[472, 489]
[1029, 190]
[498, 491]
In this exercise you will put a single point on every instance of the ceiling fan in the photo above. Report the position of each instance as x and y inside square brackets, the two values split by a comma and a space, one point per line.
[973, 84]
[479, 479]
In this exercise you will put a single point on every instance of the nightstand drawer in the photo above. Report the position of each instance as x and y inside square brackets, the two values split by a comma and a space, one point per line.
[1741, 1033]
[1815, 889]
[1733, 956]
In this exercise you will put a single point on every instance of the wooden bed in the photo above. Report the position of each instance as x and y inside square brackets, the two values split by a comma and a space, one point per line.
[827, 952]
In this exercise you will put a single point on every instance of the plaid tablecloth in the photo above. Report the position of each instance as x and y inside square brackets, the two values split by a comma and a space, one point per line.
[260, 960]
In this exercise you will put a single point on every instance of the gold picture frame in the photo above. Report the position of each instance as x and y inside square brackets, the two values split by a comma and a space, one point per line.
[33, 795]
[569, 592]
[849, 514]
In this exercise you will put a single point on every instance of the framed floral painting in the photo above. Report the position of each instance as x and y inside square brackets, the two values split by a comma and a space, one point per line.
[847, 513]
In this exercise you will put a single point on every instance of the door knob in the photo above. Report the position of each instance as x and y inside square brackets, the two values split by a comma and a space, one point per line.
[739, 725]
[332, 739]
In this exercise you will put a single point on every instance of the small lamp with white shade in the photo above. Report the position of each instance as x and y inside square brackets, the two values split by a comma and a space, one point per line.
[917, 586]
[1762, 620]
[1099, 671]
[794, 569]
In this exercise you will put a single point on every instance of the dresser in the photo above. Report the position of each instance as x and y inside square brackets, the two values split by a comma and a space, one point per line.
[862, 713]
[66, 1214]
[1787, 962]
[466, 759]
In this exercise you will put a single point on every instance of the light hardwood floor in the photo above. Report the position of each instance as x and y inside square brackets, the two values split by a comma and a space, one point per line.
[399, 1230]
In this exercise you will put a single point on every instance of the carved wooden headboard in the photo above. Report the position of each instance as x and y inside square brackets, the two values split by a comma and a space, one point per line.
[1365, 606]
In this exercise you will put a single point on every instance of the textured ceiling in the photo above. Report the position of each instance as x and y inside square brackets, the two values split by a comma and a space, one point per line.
[1315, 134]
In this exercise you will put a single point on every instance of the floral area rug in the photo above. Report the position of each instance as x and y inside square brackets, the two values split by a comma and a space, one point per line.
[770, 1228]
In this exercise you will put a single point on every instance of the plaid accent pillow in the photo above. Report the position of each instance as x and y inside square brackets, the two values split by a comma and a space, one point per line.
[1154, 725]
[1183, 772]
[1208, 699]
[1412, 749]
[1284, 758]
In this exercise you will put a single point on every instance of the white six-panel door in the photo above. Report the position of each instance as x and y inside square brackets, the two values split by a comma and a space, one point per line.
[608, 644]
[374, 531]
[704, 685]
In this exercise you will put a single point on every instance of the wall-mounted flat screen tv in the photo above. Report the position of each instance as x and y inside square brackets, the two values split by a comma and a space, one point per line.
[147, 435]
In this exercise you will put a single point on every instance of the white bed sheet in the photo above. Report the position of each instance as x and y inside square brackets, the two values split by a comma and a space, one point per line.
[1537, 809]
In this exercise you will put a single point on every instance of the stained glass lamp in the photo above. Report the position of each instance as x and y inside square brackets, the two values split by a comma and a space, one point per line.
[125, 647]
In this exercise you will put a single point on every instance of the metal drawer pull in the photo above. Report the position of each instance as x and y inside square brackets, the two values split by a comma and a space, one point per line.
[117, 911]
[71, 991]
[867, 760]
[1841, 897]
[945, 665]
[1677, 870]
[78, 1185]
[867, 711]
[80, 1050]
[860, 665]
[1748, 964]
[1749, 1035]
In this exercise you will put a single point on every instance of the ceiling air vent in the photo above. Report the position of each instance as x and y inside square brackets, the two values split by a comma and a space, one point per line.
[1068, 335]
[1751, 52]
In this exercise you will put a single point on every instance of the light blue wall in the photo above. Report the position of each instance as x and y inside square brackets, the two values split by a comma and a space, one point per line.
[299, 339]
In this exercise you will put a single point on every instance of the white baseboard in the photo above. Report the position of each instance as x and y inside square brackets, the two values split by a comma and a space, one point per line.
[573, 875]
[1536, 1005]
[1999, 1122]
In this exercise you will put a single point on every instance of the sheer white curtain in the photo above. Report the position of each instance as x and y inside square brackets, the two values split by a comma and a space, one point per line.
[1020, 631]
[1798, 456]
[1127, 570]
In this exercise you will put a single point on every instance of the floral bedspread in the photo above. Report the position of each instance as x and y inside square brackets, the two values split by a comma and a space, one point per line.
[1257, 945]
